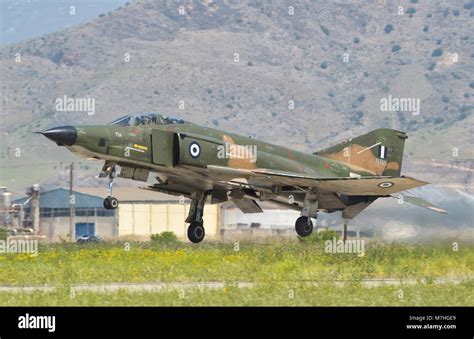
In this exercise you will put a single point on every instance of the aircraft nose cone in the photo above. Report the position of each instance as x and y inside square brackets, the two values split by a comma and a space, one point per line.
[63, 136]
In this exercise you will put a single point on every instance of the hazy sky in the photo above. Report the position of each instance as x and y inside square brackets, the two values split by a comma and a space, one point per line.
[26, 19]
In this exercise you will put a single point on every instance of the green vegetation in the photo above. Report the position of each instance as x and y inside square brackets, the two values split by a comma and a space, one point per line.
[388, 28]
[437, 52]
[325, 29]
[164, 238]
[3, 234]
[278, 261]
[273, 269]
[260, 295]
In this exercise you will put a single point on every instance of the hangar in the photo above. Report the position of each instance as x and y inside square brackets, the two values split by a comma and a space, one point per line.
[140, 214]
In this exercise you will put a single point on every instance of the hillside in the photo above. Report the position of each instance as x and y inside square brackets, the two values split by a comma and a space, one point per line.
[427, 53]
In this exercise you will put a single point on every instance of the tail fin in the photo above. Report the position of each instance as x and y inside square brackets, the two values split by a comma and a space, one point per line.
[379, 152]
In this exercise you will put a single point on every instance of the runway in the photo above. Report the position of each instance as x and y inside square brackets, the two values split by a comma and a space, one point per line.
[179, 285]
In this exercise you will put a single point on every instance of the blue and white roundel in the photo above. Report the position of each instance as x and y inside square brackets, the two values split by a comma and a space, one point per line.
[385, 184]
[194, 149]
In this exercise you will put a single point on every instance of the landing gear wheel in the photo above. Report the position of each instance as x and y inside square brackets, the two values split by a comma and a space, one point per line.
[196, 232]
[303, 226]
[110, 203]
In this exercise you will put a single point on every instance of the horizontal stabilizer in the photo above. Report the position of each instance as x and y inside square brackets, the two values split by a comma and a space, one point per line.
[420, 202]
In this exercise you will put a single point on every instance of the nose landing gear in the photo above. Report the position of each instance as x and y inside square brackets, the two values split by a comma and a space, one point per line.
[110, 203]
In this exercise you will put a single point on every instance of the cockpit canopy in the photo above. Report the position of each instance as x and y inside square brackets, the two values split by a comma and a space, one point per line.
[146, 119]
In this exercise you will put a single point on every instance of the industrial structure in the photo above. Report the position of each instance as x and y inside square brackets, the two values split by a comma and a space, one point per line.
[141, 213]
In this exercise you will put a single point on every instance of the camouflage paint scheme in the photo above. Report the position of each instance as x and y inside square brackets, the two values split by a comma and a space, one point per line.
[347, 177]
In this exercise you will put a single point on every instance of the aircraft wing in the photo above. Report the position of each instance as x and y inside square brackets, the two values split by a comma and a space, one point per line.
[374, 185]
[419, 202]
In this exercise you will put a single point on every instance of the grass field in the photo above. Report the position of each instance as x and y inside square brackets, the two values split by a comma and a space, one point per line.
[281, 273]
[262, 295]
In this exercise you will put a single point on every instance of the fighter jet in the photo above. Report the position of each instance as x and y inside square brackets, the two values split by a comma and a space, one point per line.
[200, 162]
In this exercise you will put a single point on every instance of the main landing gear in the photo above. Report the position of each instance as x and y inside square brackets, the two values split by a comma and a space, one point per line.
[196, 230]
[304, 225]
[110, 202]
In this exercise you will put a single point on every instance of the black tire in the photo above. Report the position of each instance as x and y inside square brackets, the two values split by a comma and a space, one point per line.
[113, 203]
[106, 204]
[304, 226]
[110, 203]
[196, 232]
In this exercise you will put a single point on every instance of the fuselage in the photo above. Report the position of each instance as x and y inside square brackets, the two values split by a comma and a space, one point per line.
[134, 145]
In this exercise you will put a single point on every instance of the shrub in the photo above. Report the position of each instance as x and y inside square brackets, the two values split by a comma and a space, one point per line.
[396, 48]
[164, 238]
[437, 52]
[325, 30]
[456, 76]
[3, 234]
[388, 28]
[319, 237]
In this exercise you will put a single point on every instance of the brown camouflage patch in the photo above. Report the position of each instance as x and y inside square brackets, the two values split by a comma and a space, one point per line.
[244, 163]
[357, 159]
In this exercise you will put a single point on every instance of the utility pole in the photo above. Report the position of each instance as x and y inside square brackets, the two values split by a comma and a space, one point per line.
[72, 203]
[35, 204]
